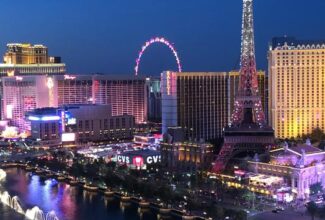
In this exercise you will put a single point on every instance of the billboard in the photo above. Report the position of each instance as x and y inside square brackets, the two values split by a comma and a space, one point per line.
[68, 137]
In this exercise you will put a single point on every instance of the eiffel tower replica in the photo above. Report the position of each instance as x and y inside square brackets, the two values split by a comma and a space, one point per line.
[248, 130]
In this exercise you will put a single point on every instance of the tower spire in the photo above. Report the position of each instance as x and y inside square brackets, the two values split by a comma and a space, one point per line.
[248, 105]
[248, 131]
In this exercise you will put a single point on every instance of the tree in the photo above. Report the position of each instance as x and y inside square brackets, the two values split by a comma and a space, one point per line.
[249, 197]
[241, 215]
[312, 209]
[317, 135]
[76, 169]
[220, 212]
[316, 188]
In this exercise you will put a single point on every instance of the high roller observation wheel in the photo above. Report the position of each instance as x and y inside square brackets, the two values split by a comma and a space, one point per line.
[157, 40]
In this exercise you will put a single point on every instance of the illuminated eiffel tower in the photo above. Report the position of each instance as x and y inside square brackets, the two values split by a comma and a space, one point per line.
[248, 131]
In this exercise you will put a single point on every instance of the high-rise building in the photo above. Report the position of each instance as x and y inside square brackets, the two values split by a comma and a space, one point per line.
[25, 93]
[154, 100]
[74, 89]
[26, 59]
[29, 60]
[197, 102]
[201, 102]
[296, 86]
[126, 95]
[26, 54]
[80, 123]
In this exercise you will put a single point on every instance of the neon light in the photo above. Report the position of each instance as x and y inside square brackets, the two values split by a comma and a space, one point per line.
[68, 137]
[44, 118]
[9, 109]
[168, 83]
[33, 118]
[69, 77]
[72, 121]
[50, 118]
[50, 83]
[157, 40]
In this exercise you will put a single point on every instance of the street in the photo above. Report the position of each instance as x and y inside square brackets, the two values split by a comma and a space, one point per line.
[282, 215]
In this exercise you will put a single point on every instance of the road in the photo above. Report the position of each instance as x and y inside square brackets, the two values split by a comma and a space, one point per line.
[283, 215]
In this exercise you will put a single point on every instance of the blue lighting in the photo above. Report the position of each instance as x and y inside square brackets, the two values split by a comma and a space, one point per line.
[44, 118]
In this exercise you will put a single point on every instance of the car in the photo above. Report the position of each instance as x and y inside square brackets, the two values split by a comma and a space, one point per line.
[275, 211]
[279, 208]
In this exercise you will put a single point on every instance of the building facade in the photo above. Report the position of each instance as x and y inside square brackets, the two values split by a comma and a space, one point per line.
[126, 95]
[74, 89]
[296, 86]
[26, 59]
[186, 156]
[79, 123]
[201, 102]
[154, 100]
[25, 93]
[196, 102]
[300, 166]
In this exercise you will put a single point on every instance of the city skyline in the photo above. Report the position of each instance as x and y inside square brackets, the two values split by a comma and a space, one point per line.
[89, 41]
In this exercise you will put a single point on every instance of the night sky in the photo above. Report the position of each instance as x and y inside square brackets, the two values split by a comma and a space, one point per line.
[105, 35]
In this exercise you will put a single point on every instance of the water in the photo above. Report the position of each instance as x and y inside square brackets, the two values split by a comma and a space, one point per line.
[62, 200]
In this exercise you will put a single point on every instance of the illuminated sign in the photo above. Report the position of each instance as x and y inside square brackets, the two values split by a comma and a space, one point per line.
[9, 109]
[72, 121]
[68, 137]
[123, 159]
[44, 118]
[153, 159]
[50, 83]
[69, 77]
[168, 83]
[138, 161]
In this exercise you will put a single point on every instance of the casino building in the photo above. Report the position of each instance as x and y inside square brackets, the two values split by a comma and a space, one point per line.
[300, 166]
[138, 159]
[296, 86]
[201, 102]
[79, 123]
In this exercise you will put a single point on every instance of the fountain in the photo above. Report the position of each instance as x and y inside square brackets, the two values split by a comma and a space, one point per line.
[13, 202]
[35, 214]
[51, 216]
[2, 174]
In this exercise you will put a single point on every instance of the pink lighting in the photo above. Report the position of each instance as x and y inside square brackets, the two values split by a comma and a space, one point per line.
[138, 161]
[157, 40]
[69, 77]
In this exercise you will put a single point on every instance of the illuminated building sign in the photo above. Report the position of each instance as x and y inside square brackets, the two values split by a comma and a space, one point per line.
[138, 161]
[50, 83]
[69, 77]
[72, 121]
[44, 118]
[168, 83]
[9, 109]
[67, 137]
[123, 159]
[153, 159]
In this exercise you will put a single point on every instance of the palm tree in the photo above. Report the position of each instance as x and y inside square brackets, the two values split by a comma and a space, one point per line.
[312, 209]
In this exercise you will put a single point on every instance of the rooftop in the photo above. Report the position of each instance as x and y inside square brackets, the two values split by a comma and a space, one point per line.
[292, 41]
[144, 152]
